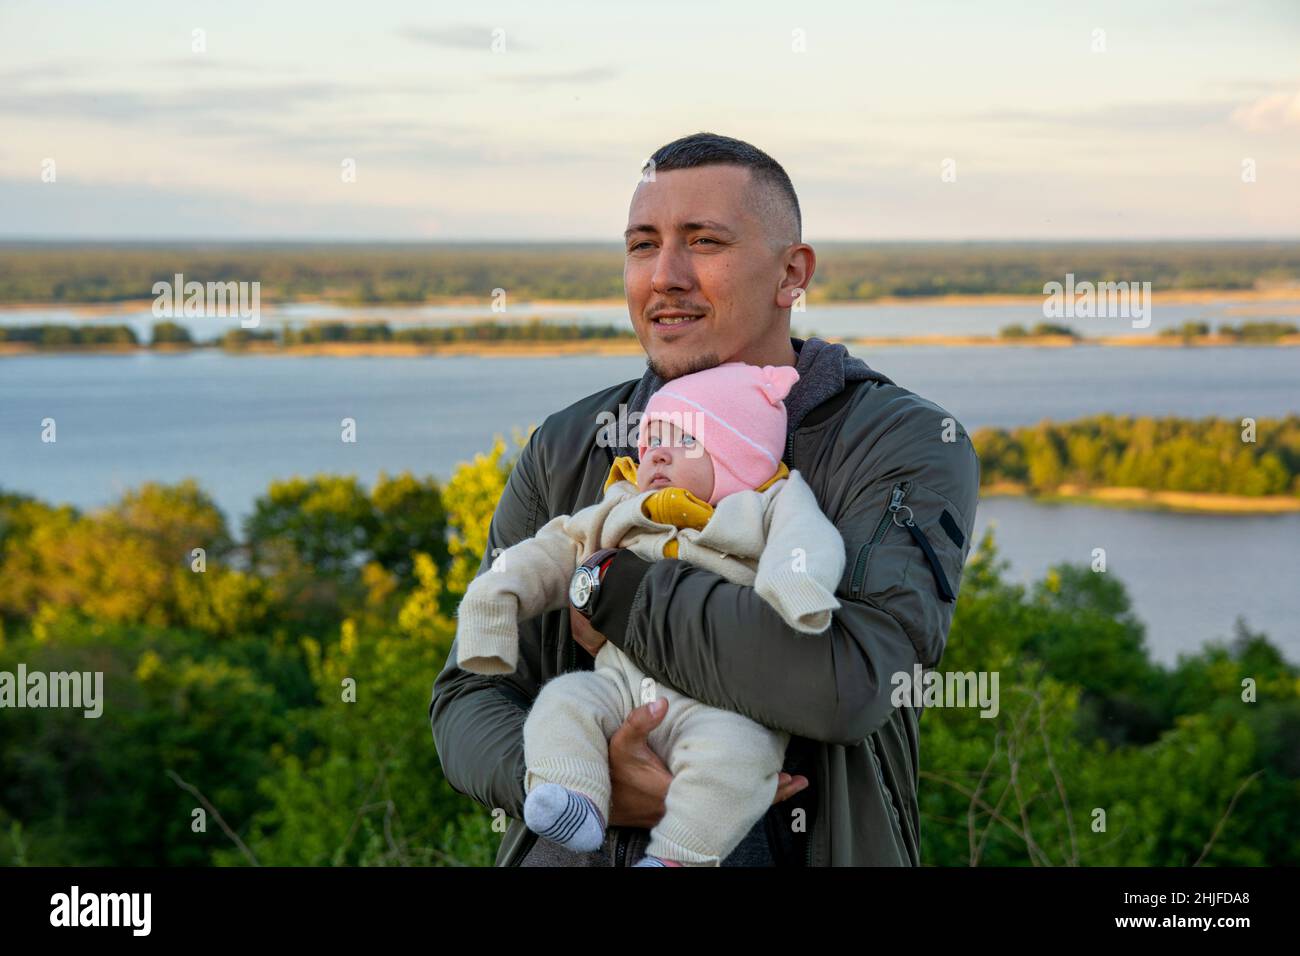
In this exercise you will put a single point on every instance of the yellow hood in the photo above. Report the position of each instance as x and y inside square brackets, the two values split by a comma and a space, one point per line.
[676, 506]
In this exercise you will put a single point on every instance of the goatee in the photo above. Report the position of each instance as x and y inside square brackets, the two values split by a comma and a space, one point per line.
[695, 363]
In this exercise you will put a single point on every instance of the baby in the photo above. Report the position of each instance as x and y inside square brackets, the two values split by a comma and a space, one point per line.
[710, 490]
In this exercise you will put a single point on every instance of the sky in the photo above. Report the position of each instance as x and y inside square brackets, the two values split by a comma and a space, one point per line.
[1062, 119]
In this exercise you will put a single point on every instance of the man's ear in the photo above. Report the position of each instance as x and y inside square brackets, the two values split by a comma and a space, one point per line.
[800, 263]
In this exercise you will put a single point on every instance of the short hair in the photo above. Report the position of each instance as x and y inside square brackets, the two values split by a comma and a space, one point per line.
[711, 149]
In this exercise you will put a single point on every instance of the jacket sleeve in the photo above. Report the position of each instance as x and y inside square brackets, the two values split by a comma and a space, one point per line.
[721, 644]
[477, 721]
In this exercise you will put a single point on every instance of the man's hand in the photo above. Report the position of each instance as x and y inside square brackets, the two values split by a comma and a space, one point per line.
[584, 633]
[639, 779]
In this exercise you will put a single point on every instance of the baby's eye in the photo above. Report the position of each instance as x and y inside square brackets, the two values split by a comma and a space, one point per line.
[688, 440]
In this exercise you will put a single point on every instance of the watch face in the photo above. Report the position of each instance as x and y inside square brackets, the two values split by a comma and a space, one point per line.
[580, 587]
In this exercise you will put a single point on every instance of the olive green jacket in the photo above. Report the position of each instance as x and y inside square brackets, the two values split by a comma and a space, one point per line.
[871, 446]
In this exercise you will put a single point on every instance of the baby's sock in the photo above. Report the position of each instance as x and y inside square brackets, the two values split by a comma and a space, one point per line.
[655, 861]
[564, 816]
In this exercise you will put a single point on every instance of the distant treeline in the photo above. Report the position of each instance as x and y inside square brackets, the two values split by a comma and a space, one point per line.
[1245, 332]
[318, 333]
[1018, 331]
[534, 331]
[84, 273]
[1158, 454]
[57, 336]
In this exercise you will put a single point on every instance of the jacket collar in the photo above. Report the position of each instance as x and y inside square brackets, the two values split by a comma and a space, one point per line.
[824, 369]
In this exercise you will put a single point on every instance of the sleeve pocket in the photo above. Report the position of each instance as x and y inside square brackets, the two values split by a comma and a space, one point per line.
[894, 572]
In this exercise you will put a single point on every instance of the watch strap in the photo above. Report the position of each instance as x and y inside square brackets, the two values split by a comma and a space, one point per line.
[600, 559]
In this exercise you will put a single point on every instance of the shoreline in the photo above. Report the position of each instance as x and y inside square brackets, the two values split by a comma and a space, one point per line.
[623, 347]
[1167, 297]
[1142, 499]
[1066, 341]
[347, 350]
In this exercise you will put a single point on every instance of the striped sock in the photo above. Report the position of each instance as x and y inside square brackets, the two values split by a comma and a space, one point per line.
[655, 861]
[564, 816]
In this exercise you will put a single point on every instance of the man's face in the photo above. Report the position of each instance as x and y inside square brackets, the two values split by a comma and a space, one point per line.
[697, 248]
[675, 459]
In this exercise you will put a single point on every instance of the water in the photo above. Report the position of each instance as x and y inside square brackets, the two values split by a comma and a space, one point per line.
[1188, 576]
[849, 320]
[236, 423]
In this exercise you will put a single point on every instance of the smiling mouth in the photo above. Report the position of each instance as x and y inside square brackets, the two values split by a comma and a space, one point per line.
[672, 321]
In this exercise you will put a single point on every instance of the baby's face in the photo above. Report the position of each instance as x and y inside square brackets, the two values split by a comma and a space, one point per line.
[673, 458]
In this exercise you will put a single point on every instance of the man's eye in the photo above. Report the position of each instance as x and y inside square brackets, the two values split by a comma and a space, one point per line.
[707, 239]
[637, 246]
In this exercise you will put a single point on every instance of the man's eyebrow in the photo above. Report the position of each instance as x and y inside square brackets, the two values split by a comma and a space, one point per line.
[708, 224]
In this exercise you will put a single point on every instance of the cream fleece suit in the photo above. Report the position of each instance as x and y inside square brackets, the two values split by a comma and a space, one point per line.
[724, 765]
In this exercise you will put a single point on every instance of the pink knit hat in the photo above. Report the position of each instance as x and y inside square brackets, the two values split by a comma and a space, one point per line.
[735, 411]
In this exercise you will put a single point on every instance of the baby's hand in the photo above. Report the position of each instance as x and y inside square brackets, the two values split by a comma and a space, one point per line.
[787, 786]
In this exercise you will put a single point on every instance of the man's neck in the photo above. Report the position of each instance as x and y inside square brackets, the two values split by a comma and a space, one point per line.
[779, 352]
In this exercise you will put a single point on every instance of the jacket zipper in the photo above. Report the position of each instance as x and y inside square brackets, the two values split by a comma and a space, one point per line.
[880, 775]
[896, 497]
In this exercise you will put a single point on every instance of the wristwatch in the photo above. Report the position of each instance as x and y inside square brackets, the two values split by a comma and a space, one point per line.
[585, 583]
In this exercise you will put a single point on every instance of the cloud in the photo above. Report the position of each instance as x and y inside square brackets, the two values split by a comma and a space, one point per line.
[1126, 116]
[217, 107]
[131, 211]
[1269, 113]
[210, 63]
[128, 105]
[50, 71]
[460, 37]
[594, 74]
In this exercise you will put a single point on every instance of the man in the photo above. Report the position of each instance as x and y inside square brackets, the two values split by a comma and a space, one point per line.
[714, 263]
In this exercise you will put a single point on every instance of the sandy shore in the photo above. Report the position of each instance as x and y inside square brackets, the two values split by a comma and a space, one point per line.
[1183, 501]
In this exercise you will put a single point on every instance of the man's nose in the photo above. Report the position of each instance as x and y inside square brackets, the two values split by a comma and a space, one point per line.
[673, 271]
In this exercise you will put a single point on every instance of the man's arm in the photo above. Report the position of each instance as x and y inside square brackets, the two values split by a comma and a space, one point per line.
[722, 644]
[477, 721]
